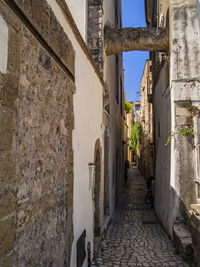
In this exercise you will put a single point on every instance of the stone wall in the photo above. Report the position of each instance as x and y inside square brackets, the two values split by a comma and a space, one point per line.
[184, 80]
[146, 151]
[36, 122]
[95, 31]
[195, 229]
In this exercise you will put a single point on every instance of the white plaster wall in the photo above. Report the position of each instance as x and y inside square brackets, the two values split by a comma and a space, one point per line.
[162, 115]
[79, 11]
[110, 78]
[115, 116]
[88, 123]
[88, 118]
[3, 45]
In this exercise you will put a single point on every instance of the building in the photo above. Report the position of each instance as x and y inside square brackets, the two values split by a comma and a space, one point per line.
[127, 132]
[176, 104]
[137, 112]
[61, 118]
[135, 126]
[146, 163]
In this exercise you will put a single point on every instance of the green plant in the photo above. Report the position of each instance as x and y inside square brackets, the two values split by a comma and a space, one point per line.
[191, 107]
[135, 137]
[169, 139]
[128, 107]
[193, 110]
[185, 131]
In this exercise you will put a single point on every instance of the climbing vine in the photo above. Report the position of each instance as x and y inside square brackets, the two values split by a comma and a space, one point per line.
[185, 131]
[128, 107]
[135, 137]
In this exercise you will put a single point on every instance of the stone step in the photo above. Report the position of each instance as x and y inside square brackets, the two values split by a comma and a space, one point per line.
[183, 240]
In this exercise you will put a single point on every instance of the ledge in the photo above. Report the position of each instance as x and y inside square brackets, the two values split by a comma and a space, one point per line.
[67, 14]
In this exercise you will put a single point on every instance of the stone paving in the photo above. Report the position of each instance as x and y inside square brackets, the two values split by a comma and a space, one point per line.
[134, 236]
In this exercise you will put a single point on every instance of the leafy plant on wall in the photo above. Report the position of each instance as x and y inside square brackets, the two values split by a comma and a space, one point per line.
[135, 137]
[128, 107]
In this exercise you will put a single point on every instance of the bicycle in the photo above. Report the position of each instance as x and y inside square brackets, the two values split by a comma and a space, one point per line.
[149, 196]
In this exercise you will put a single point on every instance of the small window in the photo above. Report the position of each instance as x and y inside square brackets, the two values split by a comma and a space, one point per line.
[117, 79]
[158, 129]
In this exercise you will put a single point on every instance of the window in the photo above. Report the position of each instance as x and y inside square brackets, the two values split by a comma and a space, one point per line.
[158, 129]
[117, 79]
[121, 95]
[116, 13]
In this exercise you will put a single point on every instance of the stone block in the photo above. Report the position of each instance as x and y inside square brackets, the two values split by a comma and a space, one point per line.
[183, 120]
[7, 236]
[196, 209]
[7, 261]
[195, 229]
[14, 52]
[6, 129]
[27, 216]
[8, 89]
[7, 170]
[7, 203]
[182, 112]
[183, 240]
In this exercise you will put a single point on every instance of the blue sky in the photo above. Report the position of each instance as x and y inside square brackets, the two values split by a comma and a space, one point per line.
[133, 16]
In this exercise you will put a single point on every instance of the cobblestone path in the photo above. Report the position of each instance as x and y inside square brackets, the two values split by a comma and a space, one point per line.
[134, 236]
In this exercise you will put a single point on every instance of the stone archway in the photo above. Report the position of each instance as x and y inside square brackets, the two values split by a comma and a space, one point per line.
[106, 175]
[97, 190]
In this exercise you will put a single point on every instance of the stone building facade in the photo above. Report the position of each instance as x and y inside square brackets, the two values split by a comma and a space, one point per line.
[176, 105]
[36, 118]
[137, 111]
[128, 130]
[146, 163]
[136, 120]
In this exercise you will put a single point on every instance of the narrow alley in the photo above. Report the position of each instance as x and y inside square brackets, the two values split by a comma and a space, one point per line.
[135, 236]
[88, 87]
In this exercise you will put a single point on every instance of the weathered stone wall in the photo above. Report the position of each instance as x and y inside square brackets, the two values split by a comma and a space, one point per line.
[195, 229]
[146, 156]
[184, 72]
[129, 39]
[36, 122]
[95, 31]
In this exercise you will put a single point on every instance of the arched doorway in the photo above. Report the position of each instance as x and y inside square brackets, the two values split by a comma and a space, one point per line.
[97, 187]
[106, 175]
